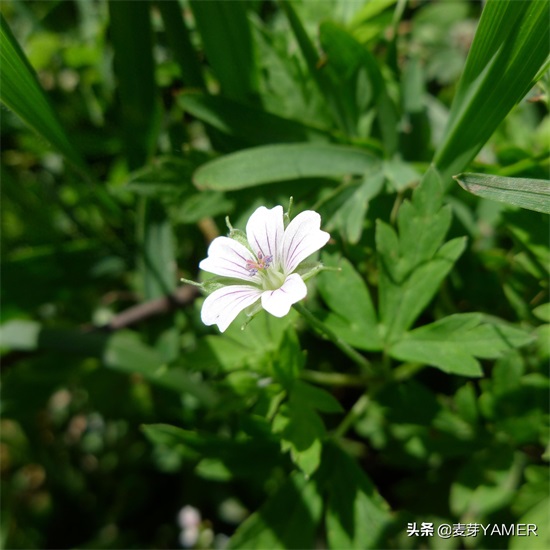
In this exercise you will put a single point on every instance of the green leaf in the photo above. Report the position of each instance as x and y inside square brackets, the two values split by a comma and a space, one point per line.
[543, 312]
[316, 398]
[21, 92]
[356, 515]
[275, 163]
[352, 316]
[121, 351]
[289, 360]
[244, 458]
[158, 263]
[523, 192]
[289, 519]
[358, 84]
[511, 44]
[132, 37]
[453, 343]
[302, 431]
[537, 516]
[255, 126]
[180, 42]
[227, 42]
[324, 82]
[349, 217]
[486, 483]
[414, 263]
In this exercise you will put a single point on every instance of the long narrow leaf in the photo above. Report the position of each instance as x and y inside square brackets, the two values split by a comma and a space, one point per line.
[255, 125]
[511, 45]
[21, 92]
[275, 163]
[132, 38]
[178, 38]
[340, 110]
[227, 42]
[524, 192]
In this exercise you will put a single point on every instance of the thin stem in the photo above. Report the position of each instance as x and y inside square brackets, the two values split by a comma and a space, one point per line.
[327, 333]
[356, 412]
[334, 378]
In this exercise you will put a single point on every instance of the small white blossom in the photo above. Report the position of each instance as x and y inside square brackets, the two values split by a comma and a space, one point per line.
[267, 267]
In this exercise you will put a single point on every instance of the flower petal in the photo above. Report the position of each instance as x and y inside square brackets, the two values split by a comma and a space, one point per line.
[227, 257]
[278, 302]
[265, 230]
[303, 237]
[223, 305]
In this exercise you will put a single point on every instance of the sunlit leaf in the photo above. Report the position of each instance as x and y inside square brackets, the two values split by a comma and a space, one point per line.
[275, 163]
[523, 192]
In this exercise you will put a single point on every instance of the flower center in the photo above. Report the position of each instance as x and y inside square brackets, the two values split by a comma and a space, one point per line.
[261, 265]
[271, 279]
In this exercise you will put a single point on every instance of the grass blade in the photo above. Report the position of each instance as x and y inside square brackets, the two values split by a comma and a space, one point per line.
[21, 92]
[132, 39]
[180, 43]
[255, 125]
[511, 45]
[227, 42]
[523, 192]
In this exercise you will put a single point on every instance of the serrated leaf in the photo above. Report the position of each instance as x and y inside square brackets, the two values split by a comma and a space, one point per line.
[275, 163]
[289, 519]
[352, 316]
[413, 263]
[523, 192]
[454, 342]
[402, 301]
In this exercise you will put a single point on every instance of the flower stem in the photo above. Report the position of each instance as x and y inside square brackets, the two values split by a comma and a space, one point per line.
[356, 412]
[334, 378]
[326, 332]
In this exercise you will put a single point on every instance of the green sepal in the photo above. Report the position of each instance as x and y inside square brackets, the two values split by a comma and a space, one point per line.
[306, 270]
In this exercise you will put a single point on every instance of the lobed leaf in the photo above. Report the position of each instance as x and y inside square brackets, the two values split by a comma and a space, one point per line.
[289, 519]
[454, 342]
[352, 315]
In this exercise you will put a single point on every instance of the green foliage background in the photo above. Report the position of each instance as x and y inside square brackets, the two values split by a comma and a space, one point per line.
[132, 129]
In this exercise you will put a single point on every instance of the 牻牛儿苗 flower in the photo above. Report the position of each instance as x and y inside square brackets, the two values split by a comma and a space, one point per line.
[264, 267]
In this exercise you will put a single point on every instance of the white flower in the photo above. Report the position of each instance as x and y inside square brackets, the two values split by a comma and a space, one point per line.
[267, 266]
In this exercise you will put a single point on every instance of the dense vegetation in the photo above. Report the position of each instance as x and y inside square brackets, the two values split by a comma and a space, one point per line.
[411, 385]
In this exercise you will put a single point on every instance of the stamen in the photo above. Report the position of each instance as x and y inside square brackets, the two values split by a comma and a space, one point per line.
[263, 263]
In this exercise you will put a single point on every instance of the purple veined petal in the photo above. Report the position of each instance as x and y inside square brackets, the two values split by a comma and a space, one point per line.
[265, 230]
[227, 257]
[222, 306]
[303, 237]
[278, 302]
